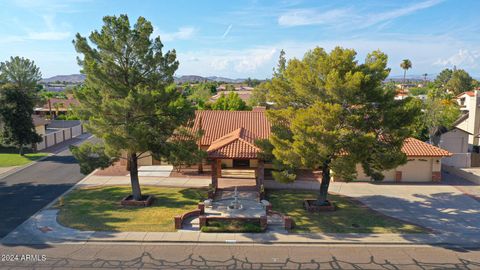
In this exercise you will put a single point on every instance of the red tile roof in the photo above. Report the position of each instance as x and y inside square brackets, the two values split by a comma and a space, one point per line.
[239, 143]
[416, 148]
[468, 93]
[217, 124]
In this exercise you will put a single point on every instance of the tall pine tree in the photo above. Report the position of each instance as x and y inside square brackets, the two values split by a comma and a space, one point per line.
[332, 113]
[129, 97]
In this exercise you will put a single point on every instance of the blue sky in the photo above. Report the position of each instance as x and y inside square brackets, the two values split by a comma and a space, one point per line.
[241, 39]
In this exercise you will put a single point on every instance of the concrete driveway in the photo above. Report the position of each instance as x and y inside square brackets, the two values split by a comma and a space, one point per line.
[441, 207]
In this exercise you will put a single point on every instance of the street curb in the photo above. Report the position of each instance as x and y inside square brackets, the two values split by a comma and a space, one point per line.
[50, 204]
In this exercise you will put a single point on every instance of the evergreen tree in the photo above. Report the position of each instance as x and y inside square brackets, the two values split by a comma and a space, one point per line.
[21, 73]
[129, 97]
[16, 111]
[18, 80]
[332, 113]
[230, 102]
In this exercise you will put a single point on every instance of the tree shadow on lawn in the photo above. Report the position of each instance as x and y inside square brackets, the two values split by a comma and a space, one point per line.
[99, 208]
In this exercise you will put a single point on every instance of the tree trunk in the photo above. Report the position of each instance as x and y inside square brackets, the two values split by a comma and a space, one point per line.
[50, 108]
[200, 167]
[322, 195]
[21, 150]
[404, 76]
[136, 192]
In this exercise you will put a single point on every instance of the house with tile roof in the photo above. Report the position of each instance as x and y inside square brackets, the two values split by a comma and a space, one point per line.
[229, 140]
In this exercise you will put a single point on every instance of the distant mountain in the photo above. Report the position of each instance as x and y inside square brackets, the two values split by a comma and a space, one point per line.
[190, 78]
[73, 78]
[196, 78]
[223, 79]
[79, 78]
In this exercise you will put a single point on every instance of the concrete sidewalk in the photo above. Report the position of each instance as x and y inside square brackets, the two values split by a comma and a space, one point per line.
[43, 228]
[99, 180]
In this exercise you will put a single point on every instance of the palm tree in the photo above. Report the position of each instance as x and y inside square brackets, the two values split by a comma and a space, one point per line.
[425, 77]
[405, 65]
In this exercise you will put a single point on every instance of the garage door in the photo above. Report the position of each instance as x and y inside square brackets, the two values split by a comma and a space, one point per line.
[417, 170]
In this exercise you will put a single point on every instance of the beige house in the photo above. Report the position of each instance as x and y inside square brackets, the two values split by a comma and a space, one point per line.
[229, 139]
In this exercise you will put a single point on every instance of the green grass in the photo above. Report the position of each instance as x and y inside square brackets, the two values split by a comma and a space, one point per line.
[350, 216]
[99, 209]
[232, 226]
[10, 157]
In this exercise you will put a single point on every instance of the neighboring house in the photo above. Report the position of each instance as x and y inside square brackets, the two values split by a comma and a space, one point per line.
[40, 124]
[456, 142]
[229, 140]
[56, 104]
[424, 164]
[463, 140]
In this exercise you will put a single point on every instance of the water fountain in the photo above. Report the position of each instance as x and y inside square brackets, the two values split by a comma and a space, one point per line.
[235, 204]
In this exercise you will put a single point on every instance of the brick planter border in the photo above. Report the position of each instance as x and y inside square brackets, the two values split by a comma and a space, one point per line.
[311, 207]
[128, 201]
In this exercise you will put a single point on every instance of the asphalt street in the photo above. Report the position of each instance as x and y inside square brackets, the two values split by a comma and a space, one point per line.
[27, 191]
[233, 256]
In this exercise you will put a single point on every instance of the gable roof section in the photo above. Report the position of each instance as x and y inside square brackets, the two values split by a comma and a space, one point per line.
[236, 144]
[468, 93]
[416, 148]
[217, 124]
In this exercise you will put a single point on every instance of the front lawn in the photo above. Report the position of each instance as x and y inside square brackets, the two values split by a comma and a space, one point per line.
[10, 157]
[99, 209]
[350, 216]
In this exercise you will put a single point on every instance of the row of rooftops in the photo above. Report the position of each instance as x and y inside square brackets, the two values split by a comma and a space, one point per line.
[232, 134]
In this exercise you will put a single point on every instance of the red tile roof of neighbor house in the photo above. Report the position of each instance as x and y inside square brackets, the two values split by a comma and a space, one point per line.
[416, 148]
[232, 134]
[468, 93]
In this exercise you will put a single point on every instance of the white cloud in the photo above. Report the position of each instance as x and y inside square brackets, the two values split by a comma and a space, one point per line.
[46, 32]
[464, 58]
[354, 18]
[238, 63]
[308, 17]
[183, 33]
[227, 31]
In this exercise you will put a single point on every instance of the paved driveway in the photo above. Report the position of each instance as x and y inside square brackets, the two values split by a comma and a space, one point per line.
[440, 207]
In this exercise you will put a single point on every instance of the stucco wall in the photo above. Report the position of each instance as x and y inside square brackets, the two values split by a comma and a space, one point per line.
[361, 176]
[415, 170]
[40, 130]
